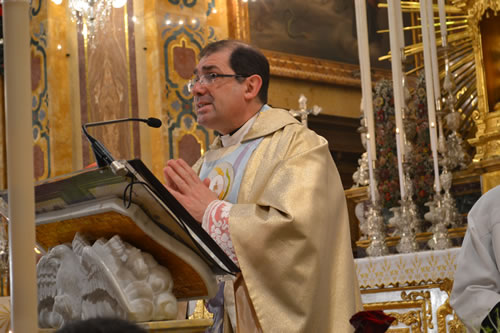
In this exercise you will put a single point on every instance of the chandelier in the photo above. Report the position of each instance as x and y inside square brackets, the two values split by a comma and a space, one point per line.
[93, 14]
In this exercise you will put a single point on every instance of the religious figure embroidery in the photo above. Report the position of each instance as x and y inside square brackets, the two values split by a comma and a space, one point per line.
[221, 178]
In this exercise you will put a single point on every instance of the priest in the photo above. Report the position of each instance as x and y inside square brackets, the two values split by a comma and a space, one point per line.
[268, 192]
[476, 289]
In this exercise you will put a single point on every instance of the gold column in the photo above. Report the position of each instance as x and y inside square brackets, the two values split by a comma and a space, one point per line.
[20, 166]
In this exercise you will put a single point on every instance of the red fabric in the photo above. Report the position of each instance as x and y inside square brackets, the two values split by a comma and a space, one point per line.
[371, 322]
[91, 165]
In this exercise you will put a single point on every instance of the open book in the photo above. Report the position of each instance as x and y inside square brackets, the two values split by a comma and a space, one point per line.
[99, 203]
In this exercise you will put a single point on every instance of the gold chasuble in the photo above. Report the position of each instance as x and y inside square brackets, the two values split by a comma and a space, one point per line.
[290, 230]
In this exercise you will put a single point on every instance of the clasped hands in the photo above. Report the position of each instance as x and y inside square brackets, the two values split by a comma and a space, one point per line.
[185, 185]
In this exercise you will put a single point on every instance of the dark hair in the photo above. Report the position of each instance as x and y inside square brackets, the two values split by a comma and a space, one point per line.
[244, 59]
[101, 325]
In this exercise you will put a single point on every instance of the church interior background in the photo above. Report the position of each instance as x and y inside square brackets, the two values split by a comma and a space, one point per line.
[136, 60]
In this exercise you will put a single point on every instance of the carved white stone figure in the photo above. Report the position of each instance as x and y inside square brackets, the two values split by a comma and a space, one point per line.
[60, 281]
[109, 278]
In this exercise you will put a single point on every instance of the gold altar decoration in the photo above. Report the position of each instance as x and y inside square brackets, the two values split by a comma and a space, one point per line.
[481, 16]
[200, 311]
[413, 288]
[5, 314]
[473, 41]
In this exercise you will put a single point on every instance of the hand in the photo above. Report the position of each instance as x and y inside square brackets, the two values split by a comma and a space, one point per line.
[185, 185]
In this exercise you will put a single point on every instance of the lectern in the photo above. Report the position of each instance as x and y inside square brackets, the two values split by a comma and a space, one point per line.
[134, 204]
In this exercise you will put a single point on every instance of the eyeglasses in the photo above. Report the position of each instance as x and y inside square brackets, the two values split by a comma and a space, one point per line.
[206, 79]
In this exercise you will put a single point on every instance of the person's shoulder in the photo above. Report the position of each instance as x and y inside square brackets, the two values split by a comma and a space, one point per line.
[300, 136]
[489, 198]
[487, 208]
[277, 117]
[280, 124]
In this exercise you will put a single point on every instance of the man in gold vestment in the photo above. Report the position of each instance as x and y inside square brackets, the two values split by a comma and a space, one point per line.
[269, 194]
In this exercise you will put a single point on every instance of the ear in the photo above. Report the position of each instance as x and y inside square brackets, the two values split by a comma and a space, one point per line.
[253, 84]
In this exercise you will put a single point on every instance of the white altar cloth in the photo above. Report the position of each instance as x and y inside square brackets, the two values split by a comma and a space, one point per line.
[405, 268]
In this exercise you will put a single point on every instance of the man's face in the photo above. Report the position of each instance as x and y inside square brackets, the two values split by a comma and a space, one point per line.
[219, 104]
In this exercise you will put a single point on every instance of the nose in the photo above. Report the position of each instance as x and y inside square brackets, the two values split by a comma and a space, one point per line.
[198, 89]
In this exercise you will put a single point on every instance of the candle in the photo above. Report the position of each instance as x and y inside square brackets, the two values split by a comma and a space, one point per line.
[399, 23]
[373, 184]
[430, 91]
[433, 49]
[400, 164]
[394, 11]
[442, 22]
[366, 87]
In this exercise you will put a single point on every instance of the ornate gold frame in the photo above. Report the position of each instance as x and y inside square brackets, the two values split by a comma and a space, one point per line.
[419, 310]
[294, 66]
[487, 139]
[415, 301]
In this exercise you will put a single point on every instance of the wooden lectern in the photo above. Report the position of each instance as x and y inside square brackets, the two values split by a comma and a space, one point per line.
[133, 204]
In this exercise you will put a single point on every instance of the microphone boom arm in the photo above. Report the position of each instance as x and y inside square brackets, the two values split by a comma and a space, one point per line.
[102, 156]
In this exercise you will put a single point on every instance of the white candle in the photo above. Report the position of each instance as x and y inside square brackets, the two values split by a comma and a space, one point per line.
[433, 48]
[430, 92]
[442, 22]
[400, 165]
[399, 23]
[397, 74]
[373, 183]
[366, 86]
[20, 166]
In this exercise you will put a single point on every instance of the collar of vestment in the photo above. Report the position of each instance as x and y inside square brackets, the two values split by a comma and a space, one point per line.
[235, 138]
[264, 123]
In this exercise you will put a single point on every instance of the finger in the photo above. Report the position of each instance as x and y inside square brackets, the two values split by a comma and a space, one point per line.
[176, 194]
[168, 181]
[176, 180]
[186, 171]
[206, 182]
[179, 171]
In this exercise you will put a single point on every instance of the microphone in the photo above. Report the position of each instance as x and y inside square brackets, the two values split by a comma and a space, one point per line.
[151, 122]
[102, 156]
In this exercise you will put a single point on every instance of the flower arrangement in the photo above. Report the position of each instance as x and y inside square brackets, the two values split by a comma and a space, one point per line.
[422, 173]
[421, 167]
[385, 131]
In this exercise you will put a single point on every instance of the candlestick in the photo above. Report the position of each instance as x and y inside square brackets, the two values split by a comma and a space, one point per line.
[430, 92]
[366, 88]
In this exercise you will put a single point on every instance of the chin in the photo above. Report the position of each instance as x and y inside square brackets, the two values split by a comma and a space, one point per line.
[203, 121]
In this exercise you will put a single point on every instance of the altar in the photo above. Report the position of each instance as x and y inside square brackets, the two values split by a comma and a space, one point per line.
[414, 288]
